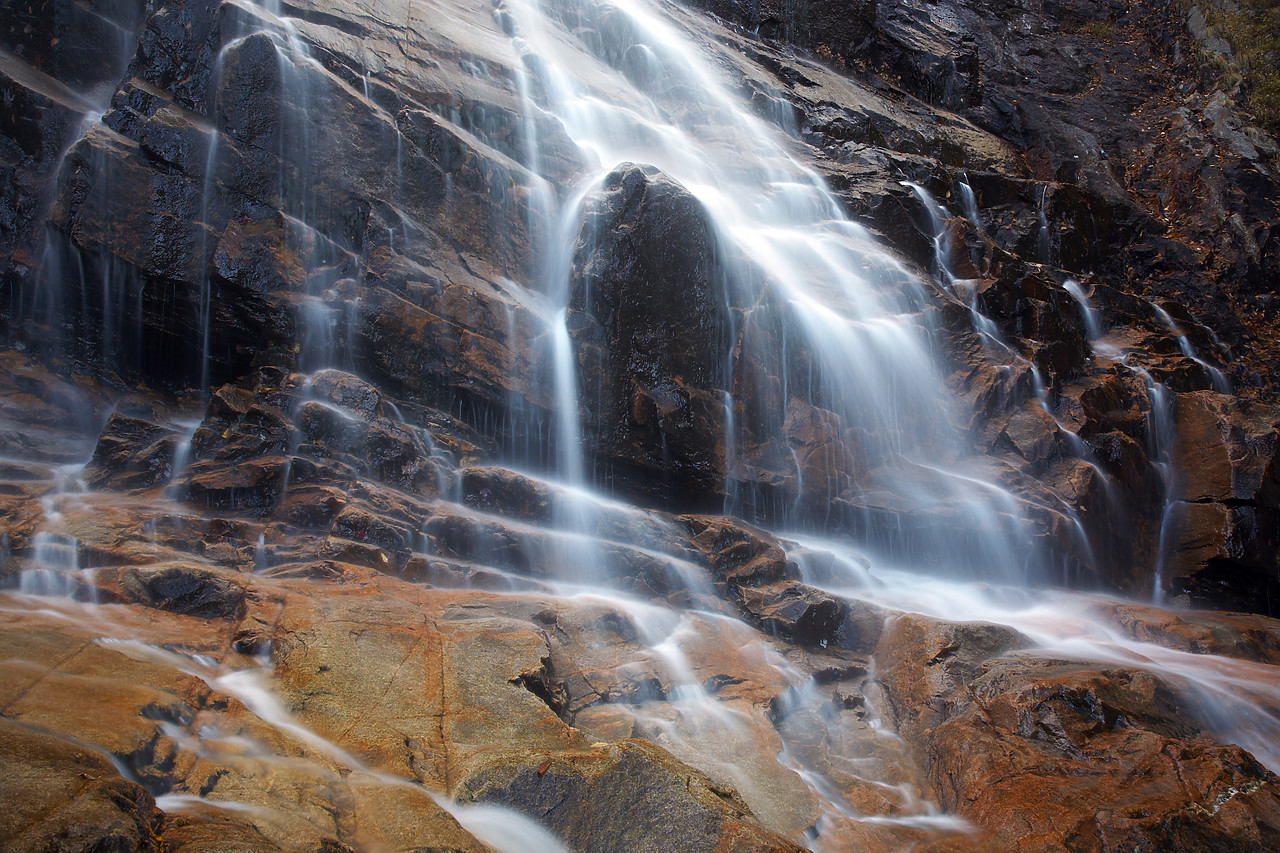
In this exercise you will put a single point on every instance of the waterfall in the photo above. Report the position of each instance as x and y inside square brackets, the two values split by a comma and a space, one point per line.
[856, 315]
[681, 469]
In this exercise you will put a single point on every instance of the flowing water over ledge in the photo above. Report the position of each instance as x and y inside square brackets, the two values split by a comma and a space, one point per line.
[312, 609]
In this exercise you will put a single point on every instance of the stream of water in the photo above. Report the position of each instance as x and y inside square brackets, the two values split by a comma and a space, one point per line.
[627, 85]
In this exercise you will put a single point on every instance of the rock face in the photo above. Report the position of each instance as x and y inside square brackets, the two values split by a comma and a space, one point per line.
[211, 217]
[1020, 713]
[303, 318]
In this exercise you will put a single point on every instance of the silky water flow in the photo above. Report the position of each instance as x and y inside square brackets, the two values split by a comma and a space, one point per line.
[642, 92]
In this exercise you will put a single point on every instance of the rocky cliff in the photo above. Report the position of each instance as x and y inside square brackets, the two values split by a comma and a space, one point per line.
[305, 547]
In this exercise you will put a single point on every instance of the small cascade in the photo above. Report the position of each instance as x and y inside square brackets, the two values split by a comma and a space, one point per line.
[938, 217]
[59, 573]
[969, 201]
[1160, 440]
[1160, 431]
[1220, 382]
[990, 332]
[53, 554]
[1088, 314]
[182, 451]
[1160, 447]
[1044, 243]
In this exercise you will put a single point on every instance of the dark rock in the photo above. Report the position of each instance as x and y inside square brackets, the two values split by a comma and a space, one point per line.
[250, 92]
[507, 493]
[183, 588]
[739, 554]
[459, 347]
[631, 796]
[795, 612]
[1224, 543]
[649, 319]
[132, 453]
[349, 392]
[66, 796]
[254, 485]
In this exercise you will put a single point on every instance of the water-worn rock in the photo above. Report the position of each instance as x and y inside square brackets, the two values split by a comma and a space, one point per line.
[649, 322]
[1012, 740]
[1223, 552]
[326, 600]
[67, 796]
[588, 799]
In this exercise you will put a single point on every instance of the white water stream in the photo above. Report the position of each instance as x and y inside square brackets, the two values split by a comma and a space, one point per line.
[643, 92]
[785, 242]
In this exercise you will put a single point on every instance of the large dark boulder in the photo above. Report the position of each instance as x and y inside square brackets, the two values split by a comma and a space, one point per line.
[650, 323]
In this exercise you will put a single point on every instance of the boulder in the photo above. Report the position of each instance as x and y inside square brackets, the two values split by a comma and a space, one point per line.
[649, 321]
[589, 799]
[1038, 726]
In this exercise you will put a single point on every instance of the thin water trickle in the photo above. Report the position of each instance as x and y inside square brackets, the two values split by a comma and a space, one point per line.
[1092, 325]
[970, 202]
[938, 217]
[1219, 379]
[1044, 244]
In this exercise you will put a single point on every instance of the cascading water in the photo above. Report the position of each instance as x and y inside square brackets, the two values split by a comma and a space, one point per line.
[812, 309]
[969, 199]
[852, 309]
[1220, 382]
[56, 312]
[1092, 326]
[1159, 431]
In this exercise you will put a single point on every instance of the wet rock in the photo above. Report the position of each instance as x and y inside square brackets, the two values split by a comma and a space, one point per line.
[798, 613]
[40, 122]
[257, 256]
[1068, 716]
[1225, 526]
[249, 92]
[178, 139]
[589, 799]
[132, 453]
[255, 485]
[650, 325]
[961, 691]
[508, 493]
[739, 554]
[927, 664]
[185, 589]
[67, 796]
[349, 392]
[48, 417]
[184, 834]
[1250, 637]
[360, 526]
[460, 345]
